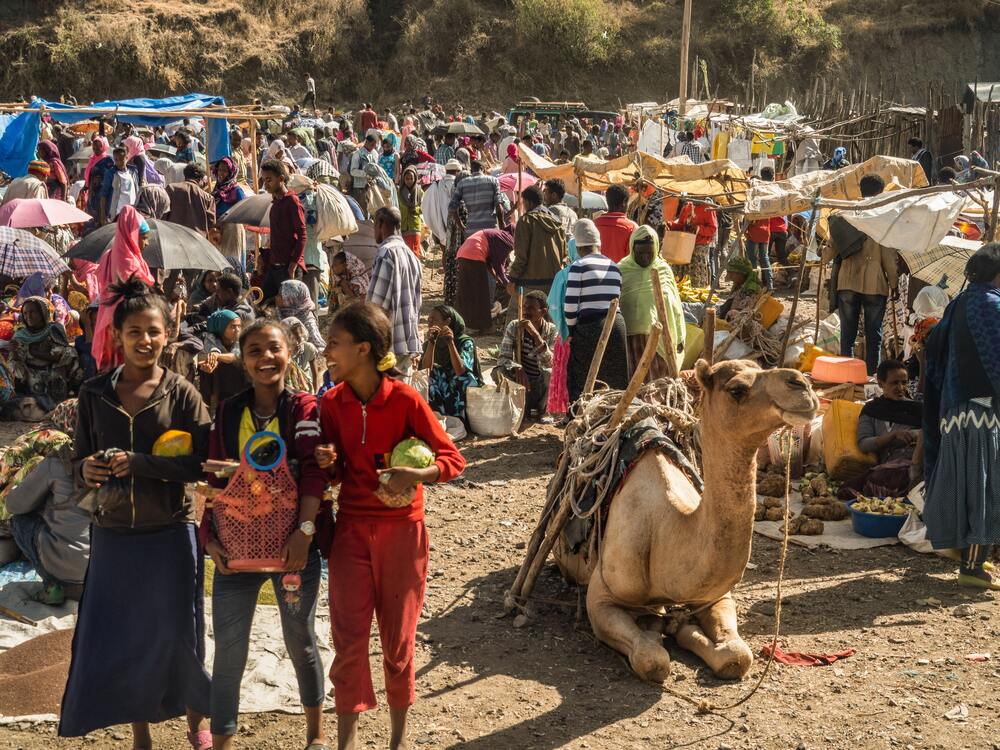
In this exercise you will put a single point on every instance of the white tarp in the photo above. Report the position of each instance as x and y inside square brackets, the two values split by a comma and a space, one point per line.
[915, 223]
[655, 136]
[434, 206]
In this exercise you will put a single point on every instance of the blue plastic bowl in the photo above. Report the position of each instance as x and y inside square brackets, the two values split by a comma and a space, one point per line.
[874, 525]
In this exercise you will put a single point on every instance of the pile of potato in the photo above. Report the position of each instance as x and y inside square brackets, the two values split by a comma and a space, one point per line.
[819, 495]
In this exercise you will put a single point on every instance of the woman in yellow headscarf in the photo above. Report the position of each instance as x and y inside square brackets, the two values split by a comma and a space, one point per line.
[638, 305]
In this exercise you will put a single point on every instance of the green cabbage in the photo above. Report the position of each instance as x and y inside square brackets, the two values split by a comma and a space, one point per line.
[413, 453]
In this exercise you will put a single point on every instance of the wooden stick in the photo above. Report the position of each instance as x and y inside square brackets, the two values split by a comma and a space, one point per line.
[638, 377]
[17, 616]
[995, 210]
[708, 348]
[518, 344]
[734, 332]
[819, 299]
[602, 344]
[810, 234]
[669, 350]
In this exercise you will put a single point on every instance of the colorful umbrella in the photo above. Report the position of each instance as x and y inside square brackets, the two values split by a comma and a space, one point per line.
[22, 254]
[25, 213]
[169, 246]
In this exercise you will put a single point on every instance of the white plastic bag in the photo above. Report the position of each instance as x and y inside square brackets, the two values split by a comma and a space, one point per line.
[420, 382]
[495, 411]
[736, 350]
[829, 334]
[453, 426]
[334, 216]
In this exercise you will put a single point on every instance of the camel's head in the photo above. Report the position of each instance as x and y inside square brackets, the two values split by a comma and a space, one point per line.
[751, 403]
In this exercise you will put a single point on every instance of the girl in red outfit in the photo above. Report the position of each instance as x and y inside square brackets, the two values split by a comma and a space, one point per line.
[379, 553]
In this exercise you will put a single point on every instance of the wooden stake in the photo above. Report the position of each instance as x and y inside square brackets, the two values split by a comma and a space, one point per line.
[638, 377]
[518, 343]
[685, 50]
[602, 344]
[810, 234]
[819, 299]
[996, 210]
[661, 311]
[708, 348]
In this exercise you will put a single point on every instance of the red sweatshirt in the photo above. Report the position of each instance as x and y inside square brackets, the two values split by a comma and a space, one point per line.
[364, 436]
[699, 219]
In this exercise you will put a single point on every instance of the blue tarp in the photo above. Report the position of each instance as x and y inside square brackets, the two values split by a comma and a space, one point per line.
[19, 134]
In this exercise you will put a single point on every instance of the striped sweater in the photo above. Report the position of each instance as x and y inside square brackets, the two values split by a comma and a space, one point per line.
[593, 281]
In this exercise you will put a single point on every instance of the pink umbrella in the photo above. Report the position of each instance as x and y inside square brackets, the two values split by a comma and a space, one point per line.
[508, 182]
[24, 213]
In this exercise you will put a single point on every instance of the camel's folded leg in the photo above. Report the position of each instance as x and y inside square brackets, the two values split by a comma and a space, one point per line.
[616, 626]
[716, 640]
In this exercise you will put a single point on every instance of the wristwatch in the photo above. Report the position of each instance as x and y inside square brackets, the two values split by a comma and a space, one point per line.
[308, 528]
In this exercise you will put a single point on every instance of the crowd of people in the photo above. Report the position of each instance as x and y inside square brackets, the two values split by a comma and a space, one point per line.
[324, 343]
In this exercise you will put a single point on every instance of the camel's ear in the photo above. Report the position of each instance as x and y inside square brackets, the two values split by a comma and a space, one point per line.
[703, 371]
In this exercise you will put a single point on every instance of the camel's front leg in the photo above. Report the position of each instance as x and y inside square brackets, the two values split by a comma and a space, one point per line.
[615, 625]
[717, 642]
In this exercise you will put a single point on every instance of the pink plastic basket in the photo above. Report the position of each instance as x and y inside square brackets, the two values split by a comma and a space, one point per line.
[257, 511]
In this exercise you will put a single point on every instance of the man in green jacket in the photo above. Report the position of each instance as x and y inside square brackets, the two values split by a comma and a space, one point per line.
[539, 249]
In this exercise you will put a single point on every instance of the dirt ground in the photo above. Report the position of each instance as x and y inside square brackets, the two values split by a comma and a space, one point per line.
[484, 685]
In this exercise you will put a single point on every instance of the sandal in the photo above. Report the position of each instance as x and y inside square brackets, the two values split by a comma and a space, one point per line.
[200, 740]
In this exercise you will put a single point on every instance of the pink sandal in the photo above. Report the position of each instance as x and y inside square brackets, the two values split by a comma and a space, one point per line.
[201, 740]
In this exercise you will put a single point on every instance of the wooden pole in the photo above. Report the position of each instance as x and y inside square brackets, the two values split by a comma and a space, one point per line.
[819, 299]
[253, 155]
[669, 350]
[685, 50]
[810, 233]
[638, 377]
[518, 344]
[602, 344]
[708, 348]
[995, 211]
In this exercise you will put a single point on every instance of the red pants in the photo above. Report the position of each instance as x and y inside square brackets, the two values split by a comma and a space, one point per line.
[380, 568]
[412, 240]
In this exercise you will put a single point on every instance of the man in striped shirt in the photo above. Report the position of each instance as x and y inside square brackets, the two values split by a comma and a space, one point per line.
[592, 283]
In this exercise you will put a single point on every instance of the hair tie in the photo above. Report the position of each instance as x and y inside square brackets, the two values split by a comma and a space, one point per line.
[386, 363]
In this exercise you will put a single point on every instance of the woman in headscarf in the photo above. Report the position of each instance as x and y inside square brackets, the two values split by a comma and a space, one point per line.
[57, 181]
[412, 155]
[123, 262]
[43, 361]
[464, 158]
[964, 172]
[153, 201]
[407, 127]
[558, 402]
[227, 193]
[639, 303]
[222, 370]
[513, 162]
[323, 172]
[99, 147]
[977, 160]
[350, 278]
[135, 155]
[838, 160]
[450, 356]
[277, 150]
[961, 423]
[294, 301]
[389, 160]
[410, 196]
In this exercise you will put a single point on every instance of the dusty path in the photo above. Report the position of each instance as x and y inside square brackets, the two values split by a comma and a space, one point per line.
[485, 685]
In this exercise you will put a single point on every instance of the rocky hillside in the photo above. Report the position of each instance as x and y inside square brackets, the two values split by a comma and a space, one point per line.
[486, 52]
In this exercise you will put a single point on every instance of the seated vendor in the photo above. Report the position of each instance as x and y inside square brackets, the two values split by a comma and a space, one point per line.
[534, 369]
[889, 427]
[746, 286]
[450, 356]
[43, 362]
[51, 530]
[228, 295]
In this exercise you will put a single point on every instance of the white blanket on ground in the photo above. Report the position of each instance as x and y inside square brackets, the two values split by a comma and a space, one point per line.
[836, 534]
[269, 682]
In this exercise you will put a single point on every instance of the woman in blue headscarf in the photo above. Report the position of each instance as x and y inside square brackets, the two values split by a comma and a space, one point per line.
[220, 365]
[838, 160]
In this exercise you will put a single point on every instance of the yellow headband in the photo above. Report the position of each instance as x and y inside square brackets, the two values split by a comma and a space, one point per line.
[386, 363]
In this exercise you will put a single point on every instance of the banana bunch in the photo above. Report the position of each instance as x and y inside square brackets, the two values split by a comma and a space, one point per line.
[889, 506]
[690, 293]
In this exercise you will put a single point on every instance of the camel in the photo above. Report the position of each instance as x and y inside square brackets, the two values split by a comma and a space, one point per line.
[665, 545]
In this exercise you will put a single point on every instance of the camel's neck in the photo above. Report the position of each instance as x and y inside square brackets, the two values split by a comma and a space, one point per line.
[729, 470]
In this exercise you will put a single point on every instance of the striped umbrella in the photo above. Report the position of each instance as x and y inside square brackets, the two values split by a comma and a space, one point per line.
[22, 254]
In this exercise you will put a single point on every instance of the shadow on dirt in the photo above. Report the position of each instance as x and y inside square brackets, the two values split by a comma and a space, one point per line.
[557, 650]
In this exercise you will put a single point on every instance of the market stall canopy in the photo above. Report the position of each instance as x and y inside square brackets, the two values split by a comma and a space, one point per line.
[916, 223]
[721, 179]
[19, 133]
[947, 260]
[768, 199]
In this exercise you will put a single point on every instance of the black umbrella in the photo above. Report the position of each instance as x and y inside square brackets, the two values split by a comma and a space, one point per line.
[169, 246]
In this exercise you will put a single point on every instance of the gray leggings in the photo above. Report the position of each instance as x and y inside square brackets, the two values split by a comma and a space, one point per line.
[234, 599]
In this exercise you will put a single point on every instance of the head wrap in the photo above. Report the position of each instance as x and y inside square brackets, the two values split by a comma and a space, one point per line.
[442, 357]
[512, 151]
[219, 321]
[741, 264]
[638, 304]
[153, 202]
[63, 417]
[57, 172]
[22, 335]
[134, 147]
[143, 227]
[99, 147]
[295, 296]
[839, 155]
[962, 162]
[33, 286]
[978, 161]
[38, 167]
[585, 233]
